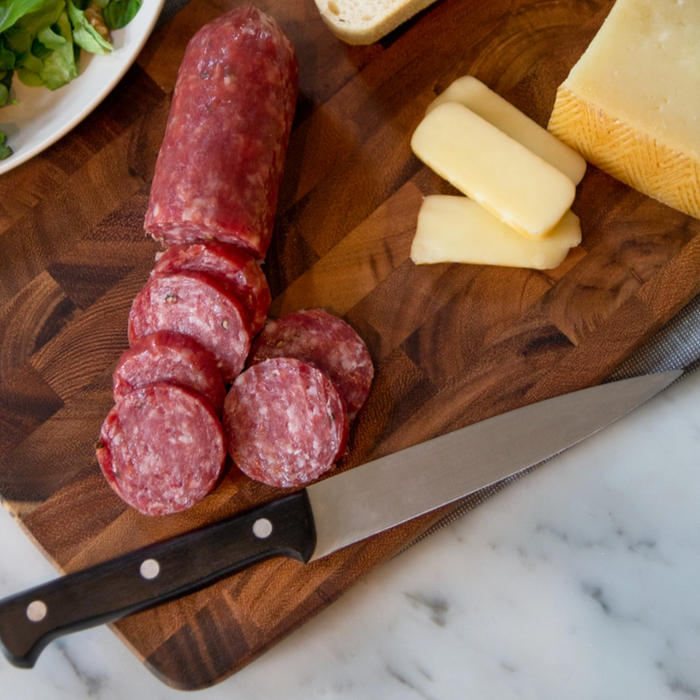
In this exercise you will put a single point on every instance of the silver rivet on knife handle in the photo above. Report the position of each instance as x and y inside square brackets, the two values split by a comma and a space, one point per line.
[36, 611]
[262, 528]
[149, 569]
[154, 574]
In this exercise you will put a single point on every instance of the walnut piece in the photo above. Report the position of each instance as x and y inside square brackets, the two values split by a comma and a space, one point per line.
[93, 14]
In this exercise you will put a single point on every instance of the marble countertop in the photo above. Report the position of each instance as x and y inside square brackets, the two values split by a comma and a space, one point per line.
[579, 581]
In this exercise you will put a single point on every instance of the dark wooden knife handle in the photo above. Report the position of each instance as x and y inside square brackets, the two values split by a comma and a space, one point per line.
[153, 575]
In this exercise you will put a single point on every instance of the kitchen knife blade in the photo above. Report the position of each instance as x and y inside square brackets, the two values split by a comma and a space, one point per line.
[316, 521]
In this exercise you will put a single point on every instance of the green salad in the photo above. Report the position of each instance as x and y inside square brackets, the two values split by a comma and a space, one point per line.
[41, 40]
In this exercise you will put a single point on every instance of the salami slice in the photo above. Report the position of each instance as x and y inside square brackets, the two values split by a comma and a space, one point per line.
[220, 166]
[227, 263]
[326, 342]
[161, 449]
[285, 422]
[165, 357]
[196, 305]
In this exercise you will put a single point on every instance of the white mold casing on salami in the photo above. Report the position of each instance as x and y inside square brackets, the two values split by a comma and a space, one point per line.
[221, 163]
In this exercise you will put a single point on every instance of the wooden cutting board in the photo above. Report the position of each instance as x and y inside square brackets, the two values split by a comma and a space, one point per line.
[452, 344]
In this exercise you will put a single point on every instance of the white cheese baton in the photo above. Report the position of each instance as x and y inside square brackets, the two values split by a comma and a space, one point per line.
[472, 93]
[507, 179]
[457, 229]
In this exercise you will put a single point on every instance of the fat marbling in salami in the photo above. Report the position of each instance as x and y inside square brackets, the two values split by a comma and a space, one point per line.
[165, 357]
[326, 342]
[285, 422]
[220, 166]
[161, 449]
[227, 263]
[194, 304]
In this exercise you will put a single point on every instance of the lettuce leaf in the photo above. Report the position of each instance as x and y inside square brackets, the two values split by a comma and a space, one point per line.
[31, 62]
[29, 77]
[118, 13]
[5, 151]
[7, 57]
[18, 42]
[40, 41]
[47, 14]
[12, 10]
[84, 34]
[59, 66]
[48, 38]
[5, 81]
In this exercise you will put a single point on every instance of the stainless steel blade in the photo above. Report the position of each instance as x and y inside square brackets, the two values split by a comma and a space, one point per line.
[391, 490]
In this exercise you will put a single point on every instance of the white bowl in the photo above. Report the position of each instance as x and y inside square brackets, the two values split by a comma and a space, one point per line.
[41, 116]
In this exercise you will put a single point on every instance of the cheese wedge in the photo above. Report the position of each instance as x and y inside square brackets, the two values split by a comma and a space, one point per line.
[472, 93]
[631, 105]
[514, 184]
[457, 229]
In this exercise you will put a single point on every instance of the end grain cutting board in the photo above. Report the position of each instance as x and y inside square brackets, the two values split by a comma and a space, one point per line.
[452, 344]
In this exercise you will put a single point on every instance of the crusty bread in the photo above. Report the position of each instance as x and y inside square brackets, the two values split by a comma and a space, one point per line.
[367, 21]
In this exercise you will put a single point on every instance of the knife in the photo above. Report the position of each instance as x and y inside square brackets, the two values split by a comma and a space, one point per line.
[320, 519]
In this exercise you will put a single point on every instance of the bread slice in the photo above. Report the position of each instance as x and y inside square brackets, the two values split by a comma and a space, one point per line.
[367, 21]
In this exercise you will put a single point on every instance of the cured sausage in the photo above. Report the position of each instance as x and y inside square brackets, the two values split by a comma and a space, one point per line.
[161, 449]
[285, 422]
[228, 264]
[326, 342]
[165, 357]
[220, 166]
[194, 304]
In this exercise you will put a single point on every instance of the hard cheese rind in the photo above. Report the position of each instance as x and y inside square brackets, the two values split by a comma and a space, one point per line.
[457, 229]
[472, 93]
[631, 105]
[511, 182]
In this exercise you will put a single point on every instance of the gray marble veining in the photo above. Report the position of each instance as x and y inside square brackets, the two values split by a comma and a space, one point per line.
[579, 581]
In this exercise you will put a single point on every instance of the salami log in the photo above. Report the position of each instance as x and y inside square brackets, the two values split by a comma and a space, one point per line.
[285, 422]
[165, 357]
[220, 166]
[196, 305]
[326, 342]
[227, 263]
[161, 449]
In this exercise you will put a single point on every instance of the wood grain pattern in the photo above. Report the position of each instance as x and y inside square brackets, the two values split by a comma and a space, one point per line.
[452, 344]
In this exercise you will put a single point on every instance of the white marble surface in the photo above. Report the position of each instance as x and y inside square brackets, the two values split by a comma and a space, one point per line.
[580, 581]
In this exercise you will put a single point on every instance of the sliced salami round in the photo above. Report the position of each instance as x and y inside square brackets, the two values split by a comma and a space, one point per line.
[285, 422]
[165, 357]
[196, 305]
[227, 263]
[326, 342]
[220, 167]
[161, 449]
